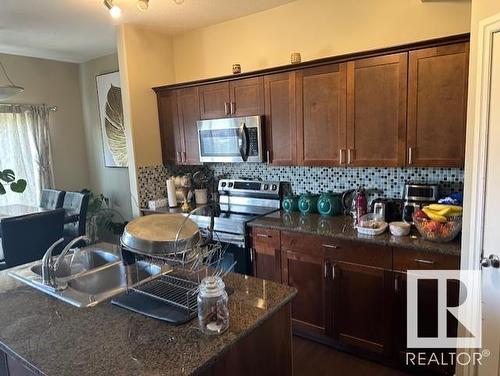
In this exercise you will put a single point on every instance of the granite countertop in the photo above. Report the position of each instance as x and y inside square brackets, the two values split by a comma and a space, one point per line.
[54, 338]
[341, 227]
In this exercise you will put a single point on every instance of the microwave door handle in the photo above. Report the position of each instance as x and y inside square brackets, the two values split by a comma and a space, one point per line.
[243, 142]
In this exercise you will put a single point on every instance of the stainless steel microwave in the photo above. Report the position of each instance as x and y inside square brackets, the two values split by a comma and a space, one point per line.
[236, 139]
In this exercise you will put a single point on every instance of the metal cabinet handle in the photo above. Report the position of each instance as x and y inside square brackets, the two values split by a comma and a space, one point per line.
[341, 154]
[184, 156]
[233, 108]
[349, 160]
[410, 155]
[179, 157]
[325, 267]
[396, 284]
[333, 271]
[264, 236]
[251, 255]
[226, 108]
[428, 262]
[268, 156]
[330, 246]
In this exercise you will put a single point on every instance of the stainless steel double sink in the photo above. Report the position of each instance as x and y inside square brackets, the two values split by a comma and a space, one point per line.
[89, 276]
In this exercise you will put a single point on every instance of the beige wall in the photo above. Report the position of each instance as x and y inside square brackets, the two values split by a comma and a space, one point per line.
[111, 182]
[55, 83]
[315, 28]
[145, 59]
[481, 9]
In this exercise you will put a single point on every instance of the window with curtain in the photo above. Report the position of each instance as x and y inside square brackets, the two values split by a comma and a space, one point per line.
[25, 149]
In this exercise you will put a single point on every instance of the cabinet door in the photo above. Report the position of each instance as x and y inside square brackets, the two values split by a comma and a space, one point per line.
[280, 110]
[437, 106]
[361, 303]
[376, 111]
[306, 273]
[247, 97]
[321, 115]
[214, 100]
[267, 263]
[266, 255]
[189, 113]
[427, 319]
[170, 134]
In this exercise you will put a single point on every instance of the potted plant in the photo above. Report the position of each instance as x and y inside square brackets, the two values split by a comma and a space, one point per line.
[100, 217]
[8, 178]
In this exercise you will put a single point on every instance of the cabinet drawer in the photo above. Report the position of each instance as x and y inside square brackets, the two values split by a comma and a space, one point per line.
[413, 260]
[304, 243]
[265, 237]
[362, 254]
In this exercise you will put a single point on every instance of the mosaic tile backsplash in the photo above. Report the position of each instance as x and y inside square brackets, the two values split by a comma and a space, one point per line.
[380, 182]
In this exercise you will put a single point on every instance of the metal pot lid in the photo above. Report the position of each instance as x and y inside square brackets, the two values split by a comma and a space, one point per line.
[157, 234]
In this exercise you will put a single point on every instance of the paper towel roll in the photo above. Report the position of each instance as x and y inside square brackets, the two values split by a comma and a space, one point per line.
[172, 199]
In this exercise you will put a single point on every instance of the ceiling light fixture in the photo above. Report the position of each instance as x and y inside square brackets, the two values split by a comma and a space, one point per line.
[7, 91]
[114, 10]
[143, 5]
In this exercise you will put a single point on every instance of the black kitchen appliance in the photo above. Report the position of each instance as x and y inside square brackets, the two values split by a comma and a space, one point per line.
[417, 195]
[392, 208]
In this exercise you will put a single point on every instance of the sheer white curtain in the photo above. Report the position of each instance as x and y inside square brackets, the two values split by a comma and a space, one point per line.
[25, 148]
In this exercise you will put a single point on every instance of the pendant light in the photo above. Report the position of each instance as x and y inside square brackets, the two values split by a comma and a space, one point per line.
[7, 91]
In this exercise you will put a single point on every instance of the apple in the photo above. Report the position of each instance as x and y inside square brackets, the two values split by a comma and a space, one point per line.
[420, 214]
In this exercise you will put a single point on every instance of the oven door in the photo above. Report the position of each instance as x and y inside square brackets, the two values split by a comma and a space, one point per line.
[236, 253]
[231, 140]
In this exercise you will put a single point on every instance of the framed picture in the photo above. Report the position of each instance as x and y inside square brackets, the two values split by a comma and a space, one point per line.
[109, 98]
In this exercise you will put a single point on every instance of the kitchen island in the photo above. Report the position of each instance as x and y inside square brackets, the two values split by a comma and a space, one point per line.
[40, 335]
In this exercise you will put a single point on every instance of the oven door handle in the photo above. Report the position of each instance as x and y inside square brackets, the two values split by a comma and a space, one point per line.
[244, 146]
[237, 240]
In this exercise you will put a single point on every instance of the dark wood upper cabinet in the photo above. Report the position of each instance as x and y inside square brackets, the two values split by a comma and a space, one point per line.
[437, 106]
[214, 100]
[321, 115]
[235, 98]
[376, 111]
[189, 113]
[280, 110]
[247, 97]
[170, 134]
[305, 272]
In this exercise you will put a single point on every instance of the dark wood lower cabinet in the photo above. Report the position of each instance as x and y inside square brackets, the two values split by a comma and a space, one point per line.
[306, 272]
[352, 295]
[427, 322]
[361, 307]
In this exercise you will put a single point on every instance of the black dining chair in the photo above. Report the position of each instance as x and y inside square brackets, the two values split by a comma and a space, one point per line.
[52, 199]
[75, 221]
[27, 238]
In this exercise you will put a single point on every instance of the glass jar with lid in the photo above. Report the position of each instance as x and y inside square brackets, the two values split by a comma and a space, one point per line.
[213, 311]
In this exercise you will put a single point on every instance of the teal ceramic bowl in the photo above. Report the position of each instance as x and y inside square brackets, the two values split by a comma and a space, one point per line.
[330, 204]
[290, 203]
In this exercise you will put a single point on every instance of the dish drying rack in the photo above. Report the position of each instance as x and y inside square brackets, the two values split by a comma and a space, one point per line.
[172, 296]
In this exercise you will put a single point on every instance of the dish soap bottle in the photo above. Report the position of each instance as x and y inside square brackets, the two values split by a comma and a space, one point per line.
[361, 203]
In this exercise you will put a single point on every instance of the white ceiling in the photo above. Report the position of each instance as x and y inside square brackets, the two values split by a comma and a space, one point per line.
[80, 30]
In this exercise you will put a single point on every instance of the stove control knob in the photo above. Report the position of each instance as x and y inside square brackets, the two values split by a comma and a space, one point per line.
[266, 187]
[274, 187]
[223, 184]
[230, 184]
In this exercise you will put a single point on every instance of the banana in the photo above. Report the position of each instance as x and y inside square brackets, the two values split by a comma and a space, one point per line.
[434, 215]
[452, 209]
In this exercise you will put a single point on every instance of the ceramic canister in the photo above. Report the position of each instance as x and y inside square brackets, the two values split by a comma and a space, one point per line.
[330, 204]
[308, 203]
[290, 203]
